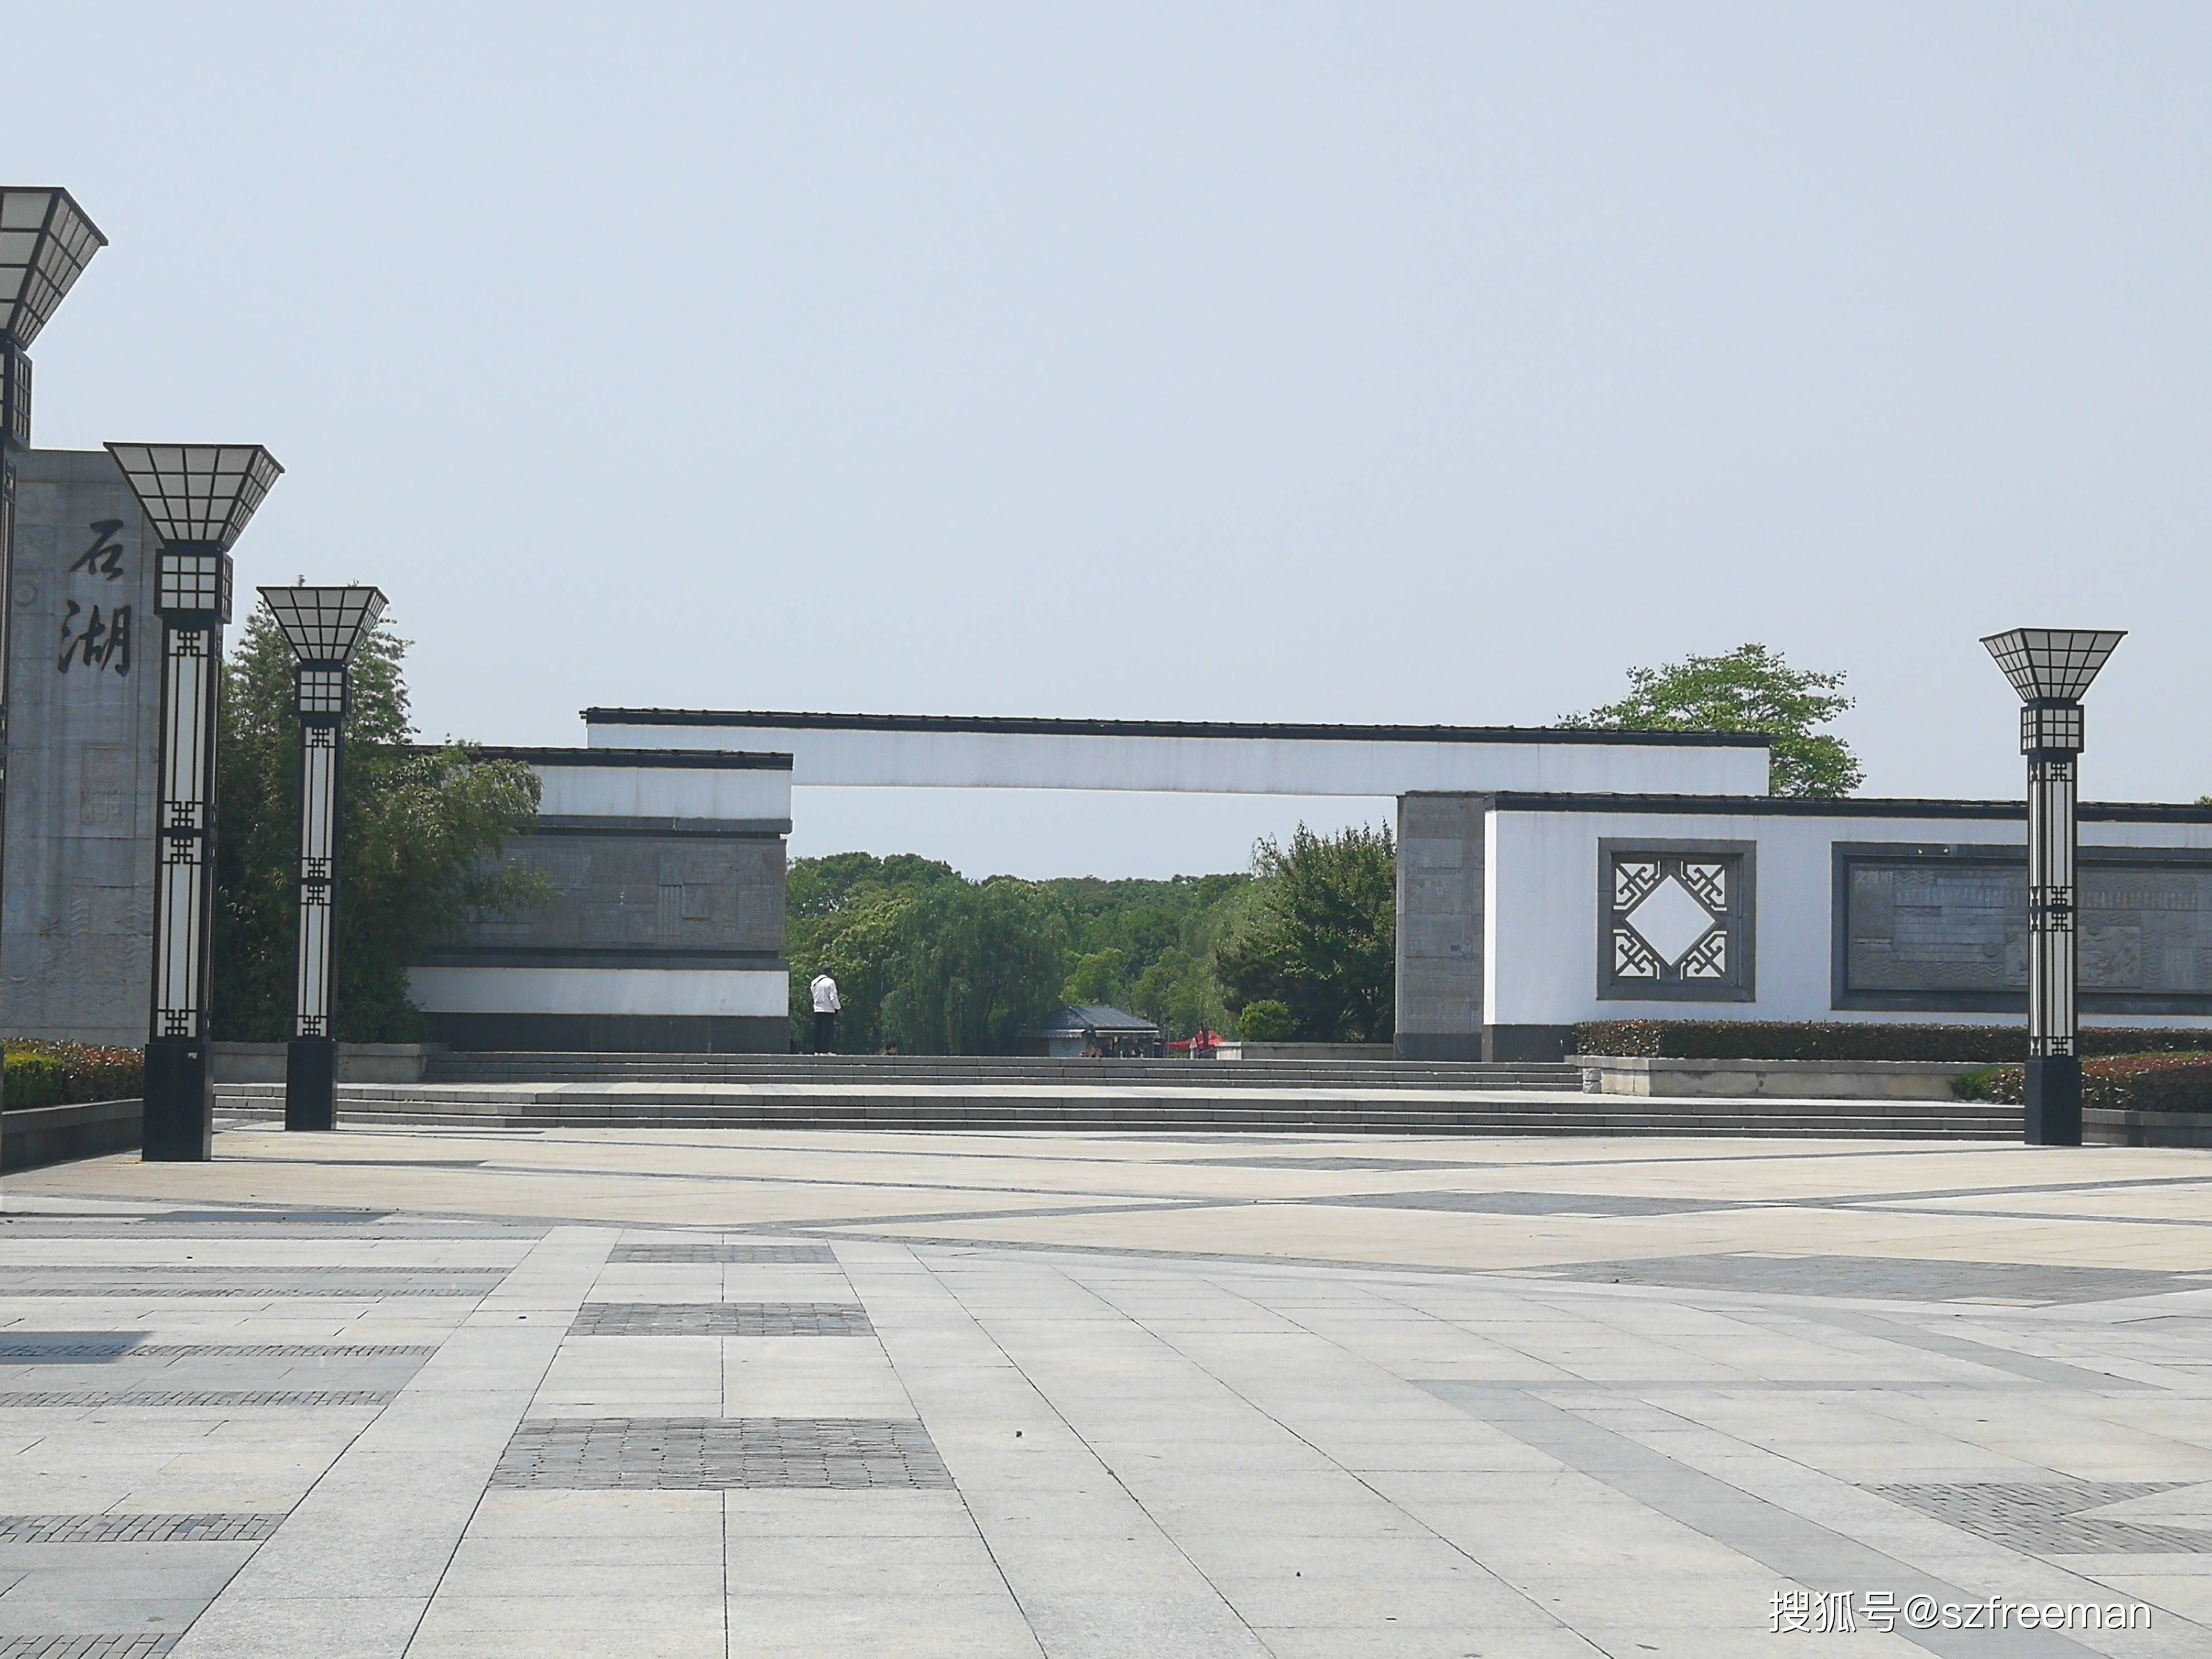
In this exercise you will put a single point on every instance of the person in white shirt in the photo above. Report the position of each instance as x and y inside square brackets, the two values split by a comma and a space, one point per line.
[826, 1009]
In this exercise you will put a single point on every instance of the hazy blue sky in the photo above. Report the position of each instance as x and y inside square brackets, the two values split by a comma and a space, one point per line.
[1389, 363]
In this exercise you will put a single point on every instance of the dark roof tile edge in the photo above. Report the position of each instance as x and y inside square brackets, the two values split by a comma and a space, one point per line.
[1023, 726]
[1847, 807]
[646, 759]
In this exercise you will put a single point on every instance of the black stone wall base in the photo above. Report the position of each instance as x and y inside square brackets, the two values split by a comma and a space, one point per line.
[33, 1137]
[651, 1034]
[2054, 1101]
[179, 1124]
[1439, 1045]
[1538, 1043]
[311, 1075]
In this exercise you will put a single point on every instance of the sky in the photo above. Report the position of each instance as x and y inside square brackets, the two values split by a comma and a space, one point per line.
[1377, 363]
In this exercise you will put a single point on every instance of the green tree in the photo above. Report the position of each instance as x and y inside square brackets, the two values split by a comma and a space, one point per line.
[1749, 688]
[978, 967]
[1147, 947]
[1323, 939]
[422, 830]
[1266, 1022]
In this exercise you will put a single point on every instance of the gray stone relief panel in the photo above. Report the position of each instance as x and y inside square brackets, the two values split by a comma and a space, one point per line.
[85, 703]
[622, 892]
[1946, 927]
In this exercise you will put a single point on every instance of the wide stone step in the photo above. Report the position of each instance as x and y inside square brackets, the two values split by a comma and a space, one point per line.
[704, 1106]
[473, 1067]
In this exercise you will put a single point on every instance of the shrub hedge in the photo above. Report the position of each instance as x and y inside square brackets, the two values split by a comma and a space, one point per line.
[69, 1073]
[1748, 1039]
[2122, 1082]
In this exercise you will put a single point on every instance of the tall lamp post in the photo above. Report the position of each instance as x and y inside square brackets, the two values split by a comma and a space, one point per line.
[326, 627]
[199, 497]
[2051, 668]
[46, 242]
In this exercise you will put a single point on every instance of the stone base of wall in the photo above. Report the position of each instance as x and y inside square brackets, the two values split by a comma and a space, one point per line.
[1438, 1045]
[2110, 1128]
[60, 1134]
[358, 1062]
[1796, 1079]
[1317, 1051]
[650, 1033]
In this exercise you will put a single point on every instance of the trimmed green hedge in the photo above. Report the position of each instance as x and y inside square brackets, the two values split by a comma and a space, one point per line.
[2124, 1083]
[1749, 1039]
[70, 1073]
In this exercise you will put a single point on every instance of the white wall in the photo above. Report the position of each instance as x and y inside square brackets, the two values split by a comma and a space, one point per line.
[649, 792]
[1236, 766]
[600, 990]
[1541, 935]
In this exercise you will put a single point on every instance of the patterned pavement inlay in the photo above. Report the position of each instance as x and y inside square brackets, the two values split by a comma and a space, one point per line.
[135, 1528]
[347, 1287]
[65, 1348]
[669, 1454]
[712, 1251]
[721, 1319]
[201, 1397]
[2047, 1519]
[132, 1644]
[284, 1350]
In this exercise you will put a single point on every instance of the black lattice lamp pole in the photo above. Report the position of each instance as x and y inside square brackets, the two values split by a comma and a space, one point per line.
[326, 627]
[2051, 668]
[199, 497]
[46, 242]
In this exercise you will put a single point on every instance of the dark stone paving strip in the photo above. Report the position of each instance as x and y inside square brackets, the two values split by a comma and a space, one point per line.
[671, 1454]
[721, 1319]
[1954, 1345]
[134, 1644]
[65, 1348]
[917, 1218]
[190, 1397]
[2045, 1518]
[283, 1218]
[1882, 1278]
[1502, 1203]
[708, 1251]
[136, 1528]
[1815, 1556]
[1353, 1163]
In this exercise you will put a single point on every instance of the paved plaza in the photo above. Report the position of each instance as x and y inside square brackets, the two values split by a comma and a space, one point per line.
[602, 1392]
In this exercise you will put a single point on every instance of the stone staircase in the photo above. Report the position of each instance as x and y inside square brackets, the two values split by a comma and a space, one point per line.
[1127, 1109]
[821, 1070]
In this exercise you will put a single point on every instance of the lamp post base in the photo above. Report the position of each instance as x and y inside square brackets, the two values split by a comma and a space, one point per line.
[2054, 1101]
[311, 1075]
[179, 1101]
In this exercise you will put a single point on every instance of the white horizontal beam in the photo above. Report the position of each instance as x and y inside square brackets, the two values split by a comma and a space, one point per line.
[834, 757]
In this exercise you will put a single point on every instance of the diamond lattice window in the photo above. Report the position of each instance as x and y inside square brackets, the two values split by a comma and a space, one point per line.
[1676, 923]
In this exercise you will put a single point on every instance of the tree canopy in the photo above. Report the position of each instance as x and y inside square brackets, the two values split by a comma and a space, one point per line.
[934, 962]
[420, 830]
[1750, 689]
[1323, 939]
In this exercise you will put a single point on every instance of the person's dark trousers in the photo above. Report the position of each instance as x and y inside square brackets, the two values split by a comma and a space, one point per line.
[825, 1033]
